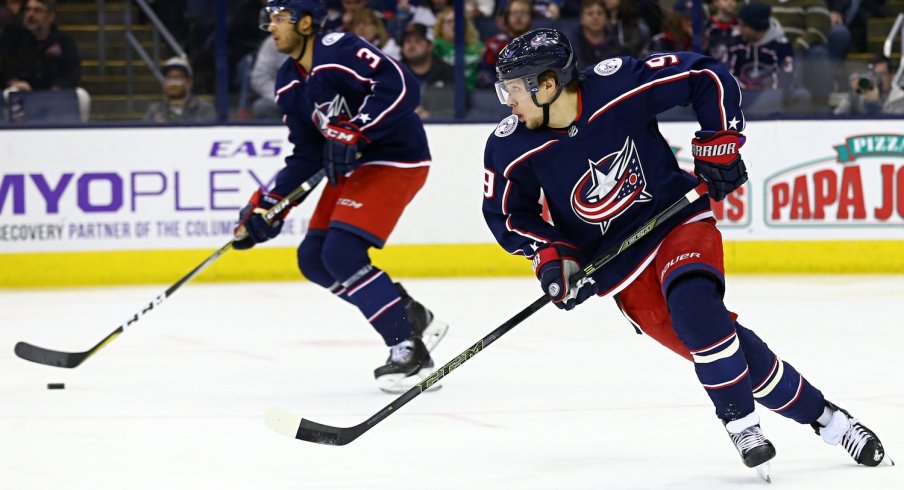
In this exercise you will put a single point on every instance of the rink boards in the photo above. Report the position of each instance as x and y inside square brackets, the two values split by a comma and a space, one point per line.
[135, 205]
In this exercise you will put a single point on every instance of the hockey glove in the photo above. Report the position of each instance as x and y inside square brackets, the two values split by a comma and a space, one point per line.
[251, 218]
[717, 161]
[554, 265]
[340, 151]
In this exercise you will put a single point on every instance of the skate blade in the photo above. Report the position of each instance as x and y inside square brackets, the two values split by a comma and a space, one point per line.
[434, 333]
[763, 471]
[399, 383]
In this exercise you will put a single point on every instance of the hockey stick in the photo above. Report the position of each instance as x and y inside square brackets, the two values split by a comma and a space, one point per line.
[291, 425]
[50, 357]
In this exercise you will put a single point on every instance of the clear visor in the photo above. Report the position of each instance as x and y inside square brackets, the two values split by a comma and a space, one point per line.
[515, 90]
[267, 17]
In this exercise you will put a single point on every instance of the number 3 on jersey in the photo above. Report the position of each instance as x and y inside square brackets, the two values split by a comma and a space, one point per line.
[369, 56]
[662, 61]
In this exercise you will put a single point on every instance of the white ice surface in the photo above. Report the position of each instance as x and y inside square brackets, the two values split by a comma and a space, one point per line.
[564, 401]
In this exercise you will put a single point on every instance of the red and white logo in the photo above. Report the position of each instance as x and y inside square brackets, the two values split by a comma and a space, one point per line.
[610, 186]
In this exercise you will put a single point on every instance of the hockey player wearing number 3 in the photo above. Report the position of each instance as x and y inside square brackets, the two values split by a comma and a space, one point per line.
[350, 112]
[589, 144]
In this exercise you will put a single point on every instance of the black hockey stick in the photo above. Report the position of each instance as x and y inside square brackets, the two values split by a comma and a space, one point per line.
[40, 355]
[291, 425]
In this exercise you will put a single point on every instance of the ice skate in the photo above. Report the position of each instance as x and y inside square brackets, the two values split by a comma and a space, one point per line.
[426, 326]
[861, 443]
[754, 448]
[408, 364]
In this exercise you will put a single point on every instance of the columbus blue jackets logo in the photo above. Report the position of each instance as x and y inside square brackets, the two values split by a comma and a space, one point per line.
[539, 40]
[610, 186]
[334, 108]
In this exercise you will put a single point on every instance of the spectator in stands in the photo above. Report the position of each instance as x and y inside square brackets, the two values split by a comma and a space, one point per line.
[762, 61]
[818, 54]
[40, 57]
[864, 96]
[410, 12]
[263, 80]
[720, 29]
[677, 29]
[871, 91]
[627, 28]
[179, 104]
[417, 54]
[366, 24]
[349, 9]
[516, 20]
[444, 47]
[542, 9]
[436, 76]
[651, 13]
[11, 13]
[854, 15]
[592, 42]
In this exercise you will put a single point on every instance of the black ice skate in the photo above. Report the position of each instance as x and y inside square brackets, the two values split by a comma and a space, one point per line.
[426, 326]
[748, 438]
[408, 364]
[861, 443]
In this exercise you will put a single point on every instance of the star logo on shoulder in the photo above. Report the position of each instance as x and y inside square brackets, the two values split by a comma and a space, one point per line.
[363, 117]
[534, 246]
[733, 124]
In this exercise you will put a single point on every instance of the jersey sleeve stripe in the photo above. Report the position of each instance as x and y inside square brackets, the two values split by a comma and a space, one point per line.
[679, 76]
[386, 163]
[527, 234]
[284, 89]
[398, 100]
[353, 73]
[524, 156]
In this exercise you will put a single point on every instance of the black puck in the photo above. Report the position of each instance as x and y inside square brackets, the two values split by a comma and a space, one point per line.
[56, 386]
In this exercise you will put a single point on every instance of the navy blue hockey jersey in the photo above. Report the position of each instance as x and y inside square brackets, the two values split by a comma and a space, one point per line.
[611, 170]
[350, 78]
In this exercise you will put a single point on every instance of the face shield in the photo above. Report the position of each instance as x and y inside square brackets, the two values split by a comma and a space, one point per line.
[270, 15]
[516, 90]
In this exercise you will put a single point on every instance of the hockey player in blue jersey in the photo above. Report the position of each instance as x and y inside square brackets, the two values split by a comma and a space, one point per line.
[350, 111]
[589, 145]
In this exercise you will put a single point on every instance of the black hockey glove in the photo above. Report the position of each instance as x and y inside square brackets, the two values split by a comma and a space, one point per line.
[251, 218]
[340, 151]
[717, 161]
[554, 265]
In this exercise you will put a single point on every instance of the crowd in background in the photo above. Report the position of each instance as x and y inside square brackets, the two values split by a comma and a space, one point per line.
[788, 55]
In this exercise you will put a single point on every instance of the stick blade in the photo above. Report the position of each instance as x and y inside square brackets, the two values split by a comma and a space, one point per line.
[282, 421]
[291, 425]
[49, 357]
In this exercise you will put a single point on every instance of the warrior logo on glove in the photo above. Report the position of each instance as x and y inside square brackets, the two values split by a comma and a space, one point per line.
[717, 161]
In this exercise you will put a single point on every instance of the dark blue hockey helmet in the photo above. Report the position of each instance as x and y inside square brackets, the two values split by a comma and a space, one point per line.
[297, 9]
[531, 54]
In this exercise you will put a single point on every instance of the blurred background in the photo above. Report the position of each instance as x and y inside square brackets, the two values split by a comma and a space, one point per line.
[207, 61]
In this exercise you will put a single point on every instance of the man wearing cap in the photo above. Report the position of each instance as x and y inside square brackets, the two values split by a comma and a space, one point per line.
[179, 104]
[417, 55]
[762, 60]
[436, 76]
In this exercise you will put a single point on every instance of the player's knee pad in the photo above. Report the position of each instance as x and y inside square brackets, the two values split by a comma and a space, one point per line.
[344, 254]
[310, 262]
